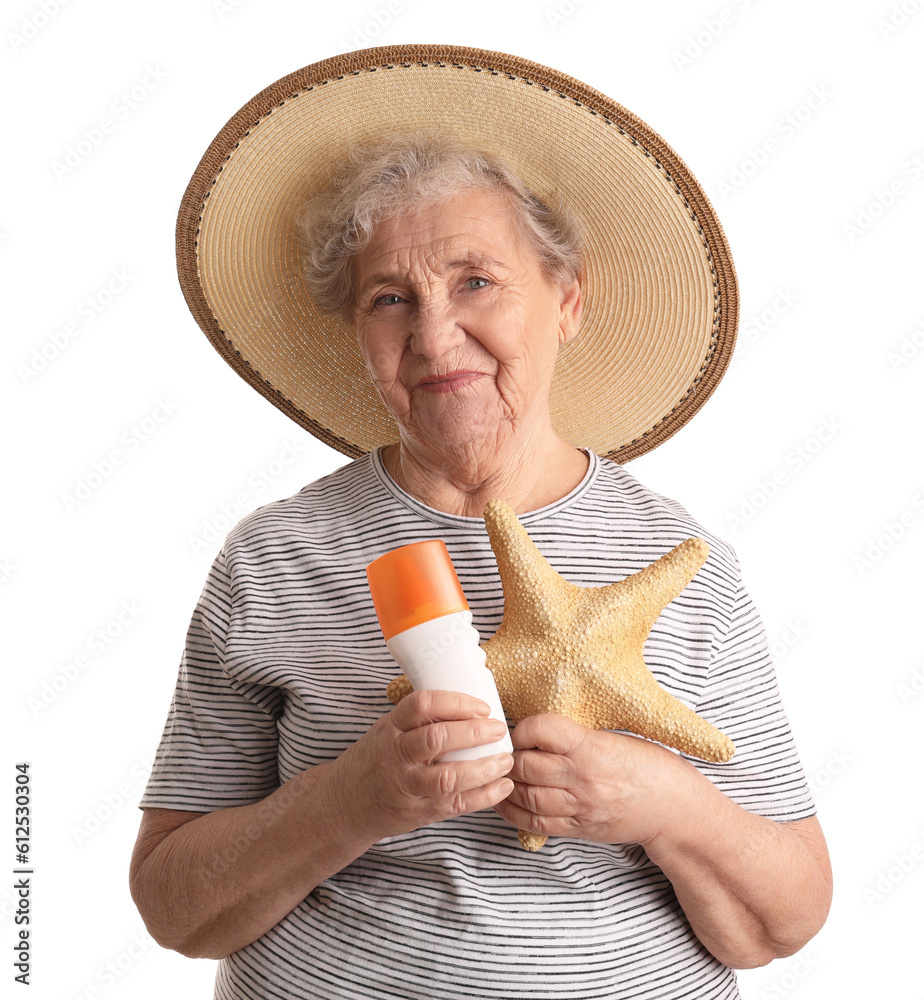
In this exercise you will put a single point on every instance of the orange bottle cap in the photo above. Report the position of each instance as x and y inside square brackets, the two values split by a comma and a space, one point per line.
[414, 584]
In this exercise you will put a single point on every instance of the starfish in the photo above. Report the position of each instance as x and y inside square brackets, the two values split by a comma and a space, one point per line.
[577, 651]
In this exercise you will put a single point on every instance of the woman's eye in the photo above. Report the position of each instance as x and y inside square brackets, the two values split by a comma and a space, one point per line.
[477, 283]
[388, 300]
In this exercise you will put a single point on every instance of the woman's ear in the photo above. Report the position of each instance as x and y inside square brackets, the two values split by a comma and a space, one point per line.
[572, 306]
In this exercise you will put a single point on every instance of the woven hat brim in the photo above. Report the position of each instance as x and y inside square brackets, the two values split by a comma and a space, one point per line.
[661, 304]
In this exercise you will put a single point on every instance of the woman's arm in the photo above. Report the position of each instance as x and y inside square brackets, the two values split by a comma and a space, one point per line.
[207, 884]
[752, 889]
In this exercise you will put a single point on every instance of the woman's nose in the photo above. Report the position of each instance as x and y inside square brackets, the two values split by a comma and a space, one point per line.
[435, 330]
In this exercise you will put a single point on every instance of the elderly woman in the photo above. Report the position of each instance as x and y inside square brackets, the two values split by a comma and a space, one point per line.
[302, 830]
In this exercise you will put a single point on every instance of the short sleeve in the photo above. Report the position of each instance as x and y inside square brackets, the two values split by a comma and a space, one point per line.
[219, 746]
[741, 698]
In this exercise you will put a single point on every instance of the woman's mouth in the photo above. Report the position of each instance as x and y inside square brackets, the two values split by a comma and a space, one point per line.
[448, 382]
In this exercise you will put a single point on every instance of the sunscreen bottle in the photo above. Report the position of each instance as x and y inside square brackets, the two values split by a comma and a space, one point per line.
[428, 629]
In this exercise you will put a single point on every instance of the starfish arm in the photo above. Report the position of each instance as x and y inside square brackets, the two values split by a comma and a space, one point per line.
[656, 714]
[398, 688]
[534, 593]
[652, 588]
[610, 687]
[531, 841]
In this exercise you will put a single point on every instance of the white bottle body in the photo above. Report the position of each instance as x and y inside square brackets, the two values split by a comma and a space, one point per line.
[443, 655]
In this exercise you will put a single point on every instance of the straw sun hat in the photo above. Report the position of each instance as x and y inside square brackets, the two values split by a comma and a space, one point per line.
[661, 304]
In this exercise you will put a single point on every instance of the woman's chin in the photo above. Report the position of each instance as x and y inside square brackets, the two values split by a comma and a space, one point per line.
[452, 434]
[450, 439]
[455, 425]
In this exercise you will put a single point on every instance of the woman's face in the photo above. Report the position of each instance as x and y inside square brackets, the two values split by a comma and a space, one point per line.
[457, 322]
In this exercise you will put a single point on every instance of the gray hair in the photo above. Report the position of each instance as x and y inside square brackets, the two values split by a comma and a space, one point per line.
[385, 180]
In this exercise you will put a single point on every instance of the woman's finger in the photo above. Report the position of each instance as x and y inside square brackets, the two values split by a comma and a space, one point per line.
[543, 801]
[553, 733]
[460, 776]
[476, 799]
[523, 819]
[487, 795]
[428, 743]
[538, 767]
[421, 708]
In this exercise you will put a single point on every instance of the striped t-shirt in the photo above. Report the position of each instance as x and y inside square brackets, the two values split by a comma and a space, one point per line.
[285, 667]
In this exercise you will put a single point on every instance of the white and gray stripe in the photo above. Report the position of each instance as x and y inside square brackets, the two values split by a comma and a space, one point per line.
[285, 667]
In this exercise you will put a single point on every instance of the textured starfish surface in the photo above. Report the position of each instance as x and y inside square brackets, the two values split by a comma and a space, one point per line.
[577, 651]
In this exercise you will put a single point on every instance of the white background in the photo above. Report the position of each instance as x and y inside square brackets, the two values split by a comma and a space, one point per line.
[807, 458]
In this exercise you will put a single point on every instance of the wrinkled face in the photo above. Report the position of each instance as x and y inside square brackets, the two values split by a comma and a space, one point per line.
[457, 322]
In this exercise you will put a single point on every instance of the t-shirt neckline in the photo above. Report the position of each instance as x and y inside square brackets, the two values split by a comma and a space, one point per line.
[443, 517]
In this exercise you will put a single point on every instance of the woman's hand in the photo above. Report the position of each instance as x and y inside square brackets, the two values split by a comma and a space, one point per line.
[752, 889]
[195, 900]
[390, 781]
[571, 781]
